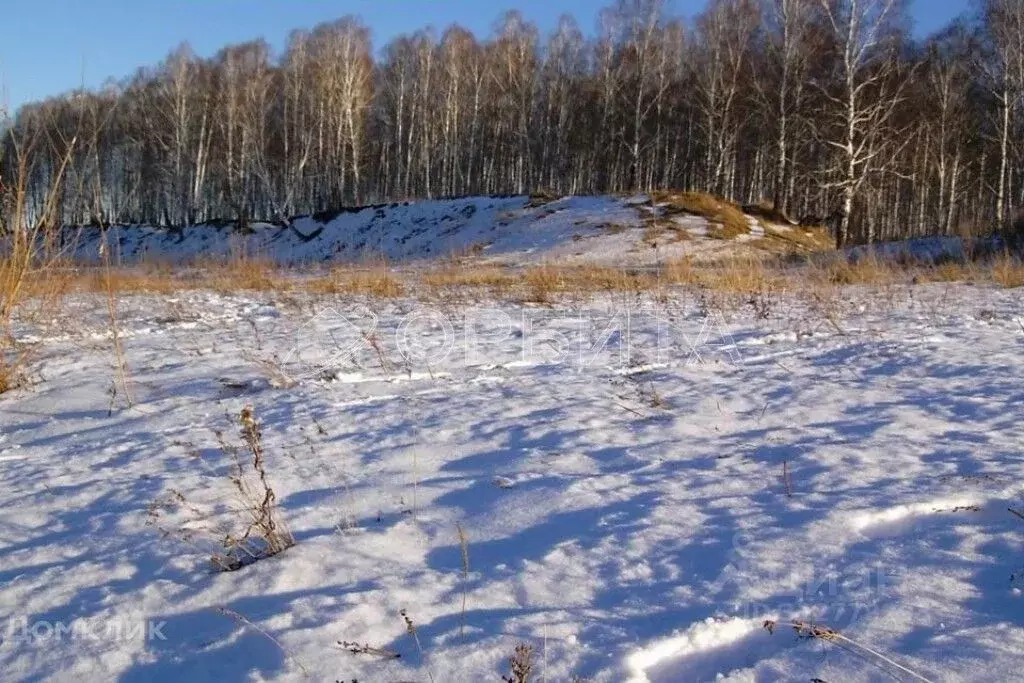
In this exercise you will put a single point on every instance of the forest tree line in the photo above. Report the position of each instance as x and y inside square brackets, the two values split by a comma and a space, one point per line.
[823, 107]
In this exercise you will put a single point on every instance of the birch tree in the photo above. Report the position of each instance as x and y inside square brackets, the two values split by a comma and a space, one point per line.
[863, 31]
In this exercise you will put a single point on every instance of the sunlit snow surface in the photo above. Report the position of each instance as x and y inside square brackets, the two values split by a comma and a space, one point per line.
[617, 467]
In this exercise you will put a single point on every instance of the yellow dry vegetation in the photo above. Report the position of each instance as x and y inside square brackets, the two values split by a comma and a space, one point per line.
[727, 219]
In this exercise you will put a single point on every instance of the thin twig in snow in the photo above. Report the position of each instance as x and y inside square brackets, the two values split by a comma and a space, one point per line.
[807, 630]
[245, 622]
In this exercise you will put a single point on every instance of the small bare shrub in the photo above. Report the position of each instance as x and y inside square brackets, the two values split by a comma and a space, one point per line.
[373, 341]
[650, 396]
[265, 533]
[520, 665]
[763, 302]
[241, 534]
[246, 272]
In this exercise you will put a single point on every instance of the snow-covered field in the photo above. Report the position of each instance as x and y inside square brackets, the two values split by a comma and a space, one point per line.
[641, 483]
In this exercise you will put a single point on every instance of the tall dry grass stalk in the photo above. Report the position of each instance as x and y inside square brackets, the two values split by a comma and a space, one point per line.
[410, 628]
[28, 248]
[121, 372]
[464, 548]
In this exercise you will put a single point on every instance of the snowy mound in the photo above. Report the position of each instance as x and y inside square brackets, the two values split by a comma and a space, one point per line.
[605, 229]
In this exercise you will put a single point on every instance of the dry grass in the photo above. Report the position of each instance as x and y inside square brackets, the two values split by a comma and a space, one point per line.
[13, 363]
[247, 623]
[1008, 271]
[545, 283]
[378, 282]
[951, 271]
[868, 270]
[660, 231]
[410, 628]
[233, 276]
[740, 275]
[153, 278]
[542, 284]
[451, 282]
[766, 210]
[727, 220]
[540, 197]
[128, 281]
[27, 253]
[251, 274]
[1004, 270]
[793, 239]
[452, 279]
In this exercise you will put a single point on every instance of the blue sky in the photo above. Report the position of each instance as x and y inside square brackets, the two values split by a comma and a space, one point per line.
[50, 46]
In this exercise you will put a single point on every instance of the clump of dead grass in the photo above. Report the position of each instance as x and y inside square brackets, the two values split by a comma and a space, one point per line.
[658, 230]
[727, 220]
[127, 281]
[740, 275]
[866, 270]
[1008, 271]
[543, 283]
[13, 362]
[794, 239]
[540, 197]
[766, 210]
[950, 271]
[378, 282]
[546, 284]
[452, 279]
[246, 273]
